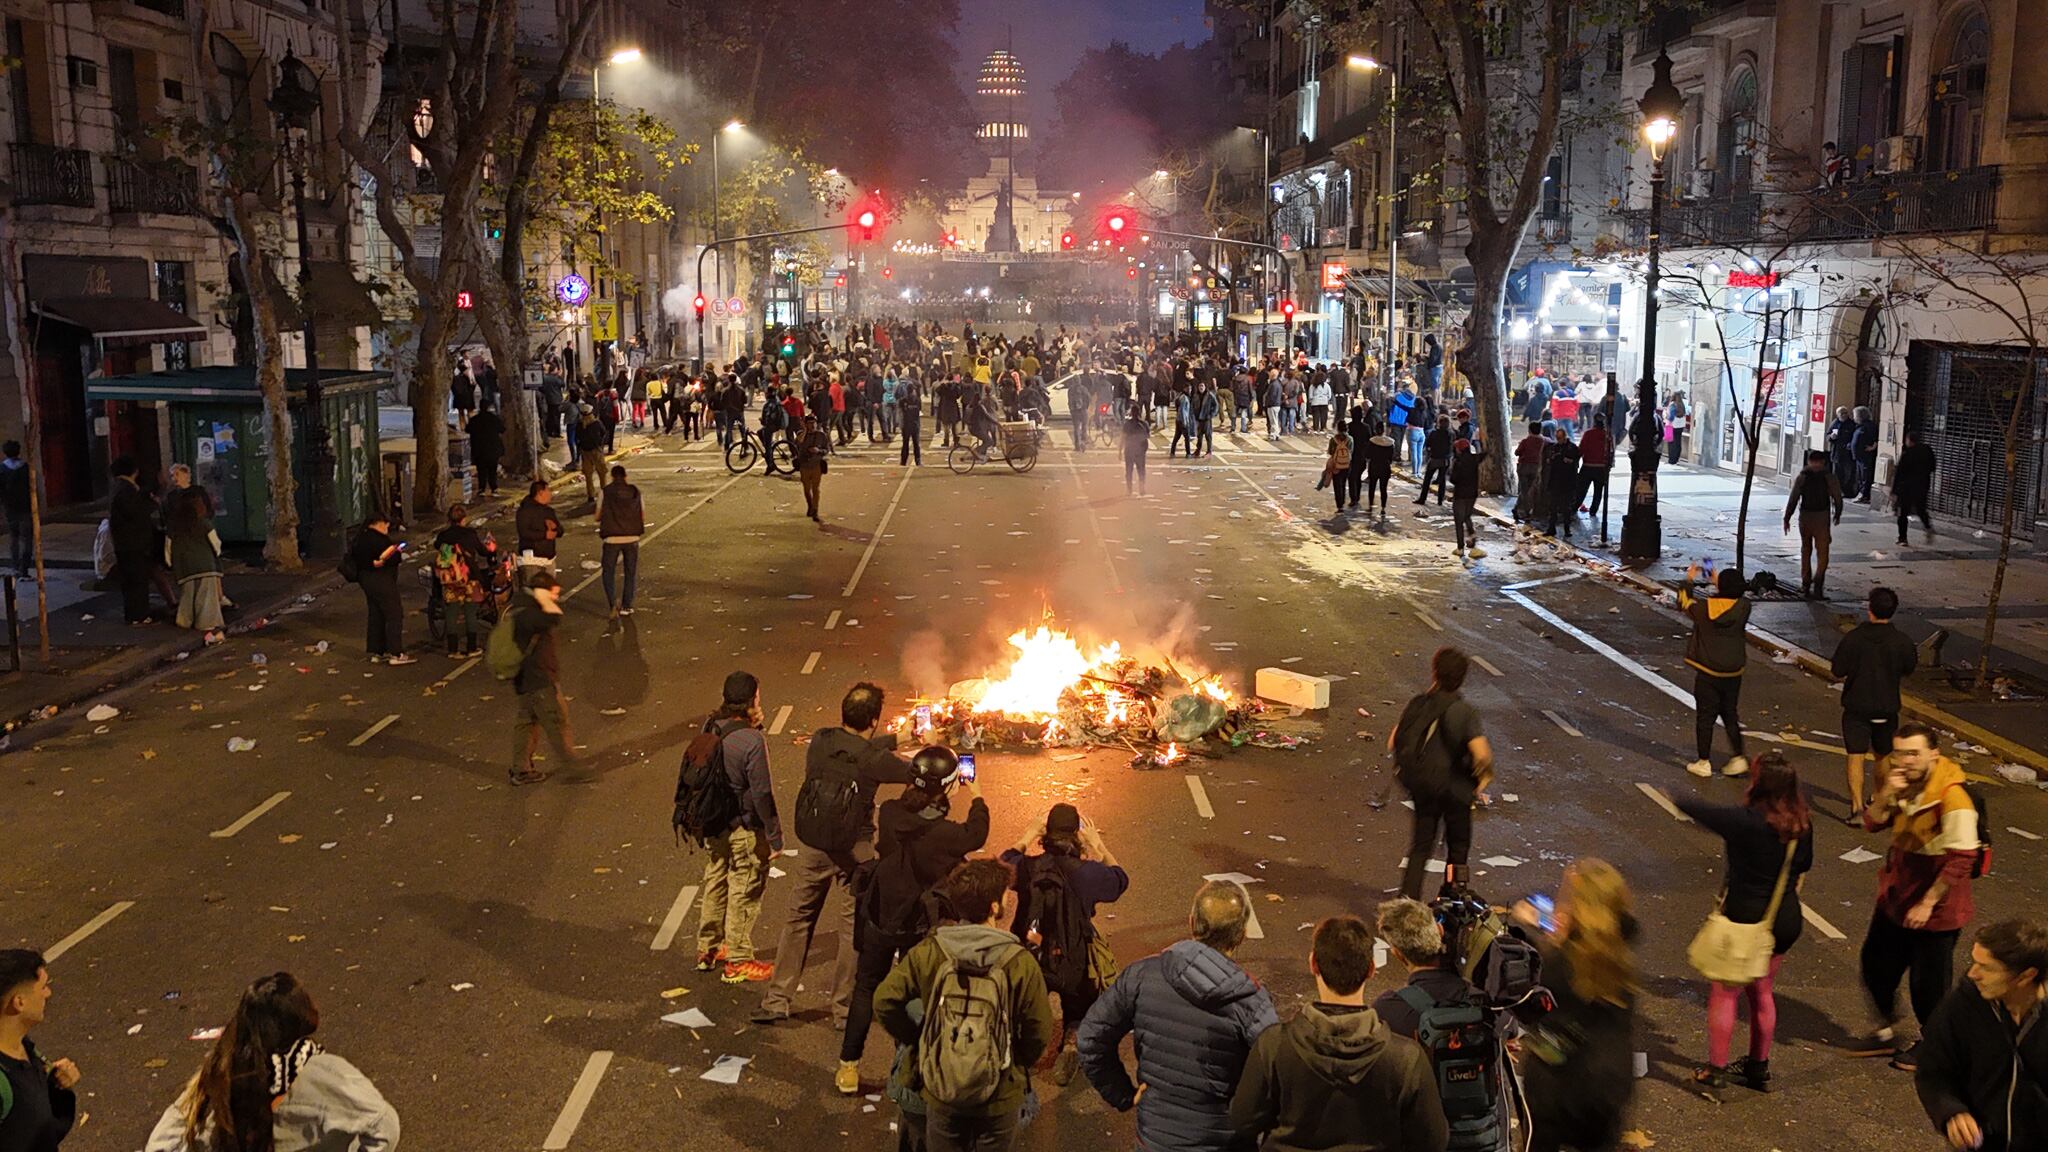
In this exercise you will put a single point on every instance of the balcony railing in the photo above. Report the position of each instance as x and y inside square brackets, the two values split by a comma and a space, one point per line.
[171, 8]
[45, 174]
[1699, 223]
[167, 187]
[1904, 204]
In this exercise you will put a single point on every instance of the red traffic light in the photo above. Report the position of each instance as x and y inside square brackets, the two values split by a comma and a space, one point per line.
[888, 272]
[1287, 309]
[1130, 273]
[866, 220]
[1117, 225]
[699, 304]
[1066, 240]
[839, 281]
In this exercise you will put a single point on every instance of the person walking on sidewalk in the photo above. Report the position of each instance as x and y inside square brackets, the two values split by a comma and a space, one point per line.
[487, 448]
[43, 1106]
[621, 522]
[736, 874]
[1465, 498]
[1596, 464]
[1912, 483]
[1437, 446]
[195, 554]
[1769, 844]
[536, 614]
[1983, 1075]
[1717, 652]
[835, 831]
[131, 521]
[1865, 445]
[14, 501]
[374, 559]
[812, 448]
[1817, 501]
[1442, 759]
[1923, 888]
[1872, 661]
[1529, 475]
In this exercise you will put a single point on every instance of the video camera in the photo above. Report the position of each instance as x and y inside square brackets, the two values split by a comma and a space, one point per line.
[1493, 955]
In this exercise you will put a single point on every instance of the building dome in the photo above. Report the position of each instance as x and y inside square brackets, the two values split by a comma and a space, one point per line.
[998, 89]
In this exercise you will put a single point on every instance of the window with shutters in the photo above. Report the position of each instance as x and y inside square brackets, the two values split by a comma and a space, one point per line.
[1737, 151]
[1869, 110]
[1955, 113]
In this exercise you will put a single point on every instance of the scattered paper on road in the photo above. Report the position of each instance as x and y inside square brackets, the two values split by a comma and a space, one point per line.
[462, 987]
[240, 744]
[688, 1018]
[1233, 877]
[675, 993]
[101, 712]
[1860, 855]
[726, 1070]
[1501, 862]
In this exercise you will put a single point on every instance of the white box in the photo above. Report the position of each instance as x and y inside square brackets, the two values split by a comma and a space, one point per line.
[1283, 686]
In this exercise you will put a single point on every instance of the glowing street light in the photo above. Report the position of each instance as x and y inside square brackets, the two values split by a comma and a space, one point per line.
[734, 126]
[624, 56]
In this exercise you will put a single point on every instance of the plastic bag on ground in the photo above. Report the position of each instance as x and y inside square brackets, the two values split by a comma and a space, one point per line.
[1189, 717]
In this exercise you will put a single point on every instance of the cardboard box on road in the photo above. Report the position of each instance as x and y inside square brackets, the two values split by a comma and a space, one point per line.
[1292, 688]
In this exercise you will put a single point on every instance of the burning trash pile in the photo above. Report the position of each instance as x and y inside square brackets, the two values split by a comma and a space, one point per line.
[1056, 695]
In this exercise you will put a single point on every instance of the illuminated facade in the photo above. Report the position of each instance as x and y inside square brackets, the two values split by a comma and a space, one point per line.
[1004, 210]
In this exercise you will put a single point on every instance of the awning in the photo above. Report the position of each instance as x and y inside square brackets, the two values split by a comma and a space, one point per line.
[1375, 287]
[1274, 318]
[124, 319]
[338, 298]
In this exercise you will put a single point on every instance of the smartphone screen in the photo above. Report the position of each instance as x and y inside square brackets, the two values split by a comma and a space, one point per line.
[923, 723]
[967, 767]
[1546, 910]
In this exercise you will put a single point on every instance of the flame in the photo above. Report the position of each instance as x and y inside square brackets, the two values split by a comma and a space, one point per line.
[1171, 754]
[1048, 663]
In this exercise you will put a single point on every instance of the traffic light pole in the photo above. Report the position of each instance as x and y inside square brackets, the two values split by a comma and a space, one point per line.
[1286, 270]
[718, 243]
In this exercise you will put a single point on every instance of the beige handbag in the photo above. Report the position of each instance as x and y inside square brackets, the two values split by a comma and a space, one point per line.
[1730, 953]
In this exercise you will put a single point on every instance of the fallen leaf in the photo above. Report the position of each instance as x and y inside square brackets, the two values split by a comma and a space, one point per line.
[293, 939]
[673, 993]
[1637, 1138]
[289, 838]
[156, 1062]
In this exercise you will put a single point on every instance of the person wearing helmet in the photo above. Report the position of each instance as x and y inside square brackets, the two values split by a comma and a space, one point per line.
[917, 847]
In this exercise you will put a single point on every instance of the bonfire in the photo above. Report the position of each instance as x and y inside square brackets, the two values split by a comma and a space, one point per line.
[1057, 694]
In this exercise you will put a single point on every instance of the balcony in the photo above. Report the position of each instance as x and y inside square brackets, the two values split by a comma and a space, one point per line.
[175, 9]
[45, 174]
[166, 187]
[1719, 221]
[1903, 204]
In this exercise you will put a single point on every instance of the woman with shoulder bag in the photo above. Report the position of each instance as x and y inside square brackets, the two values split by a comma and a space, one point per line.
[1769, 839]
[1064, 860]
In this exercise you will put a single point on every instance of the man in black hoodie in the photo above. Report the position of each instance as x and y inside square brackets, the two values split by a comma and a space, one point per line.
[1871, 661]
[1983, 1075]
[843, 768]
[1336, 1077]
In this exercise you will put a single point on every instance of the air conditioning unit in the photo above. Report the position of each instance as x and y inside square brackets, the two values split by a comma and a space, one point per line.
[1898, 154]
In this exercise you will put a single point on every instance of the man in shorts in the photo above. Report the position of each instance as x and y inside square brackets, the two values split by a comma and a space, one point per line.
[1871, 661]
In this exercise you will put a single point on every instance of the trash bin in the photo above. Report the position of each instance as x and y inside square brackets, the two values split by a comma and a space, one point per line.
[461, 473]
[398, 474]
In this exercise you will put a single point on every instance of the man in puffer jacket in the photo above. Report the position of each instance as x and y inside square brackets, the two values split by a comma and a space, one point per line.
[1717, 652]
[1196, 1014]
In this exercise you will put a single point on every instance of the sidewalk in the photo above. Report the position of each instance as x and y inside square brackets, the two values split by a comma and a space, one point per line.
[92, 649]
[1943, 586]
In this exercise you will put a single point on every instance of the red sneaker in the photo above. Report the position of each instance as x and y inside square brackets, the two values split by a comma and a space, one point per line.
[747, 972]
[706, 961]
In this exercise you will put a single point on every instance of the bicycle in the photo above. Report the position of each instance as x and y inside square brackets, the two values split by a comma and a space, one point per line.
[745, 451]
[1016, 441]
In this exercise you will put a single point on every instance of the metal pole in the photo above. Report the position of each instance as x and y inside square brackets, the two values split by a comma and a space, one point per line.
[1641, 528]
[718, 269]
[1393, 223]
[320, 529]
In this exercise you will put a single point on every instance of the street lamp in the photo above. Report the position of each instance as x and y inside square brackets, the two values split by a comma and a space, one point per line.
[1642, 529]
[624, 56]
[619, 56]
[731, 126]
[1368, 64]
[295, 100]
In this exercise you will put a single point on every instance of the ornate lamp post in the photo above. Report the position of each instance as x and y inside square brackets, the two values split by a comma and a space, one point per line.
[296, 101]
[1642, 530]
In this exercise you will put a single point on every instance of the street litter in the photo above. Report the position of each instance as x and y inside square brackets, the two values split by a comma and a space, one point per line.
[2022, 833]
[775, 873]
[102, 712]
[2016, 773]
[1501, 862]
[688, 1018]
[1232, 877]
[590, 565]
[611, 711]
[726, 1070]
[1859, 855]
[462, 987]
[675, 993]
[240, 744]
[135, 1029]
[205, 1033]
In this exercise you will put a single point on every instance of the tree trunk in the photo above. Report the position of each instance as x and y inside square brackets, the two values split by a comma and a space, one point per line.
[2020, 405]
[1479, 360]
[430, 384]
[505, 331]
[281, 526]
[1753, 428]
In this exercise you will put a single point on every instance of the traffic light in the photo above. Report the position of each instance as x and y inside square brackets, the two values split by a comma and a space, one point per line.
[789, 346]
[839, 281]
[951, 239]
[888, 272]
[1066, 241]
[1130, 273]
[699, 303]
[1117, 222]
[1287, 313]
[866, 220]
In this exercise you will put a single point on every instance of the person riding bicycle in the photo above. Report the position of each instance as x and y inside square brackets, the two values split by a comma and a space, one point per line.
[982, 421]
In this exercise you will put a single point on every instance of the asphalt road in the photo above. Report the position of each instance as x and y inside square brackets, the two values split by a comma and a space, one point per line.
[474, 947]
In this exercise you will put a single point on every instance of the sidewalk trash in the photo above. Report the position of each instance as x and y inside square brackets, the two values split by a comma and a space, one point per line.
[688, 1018]
[2017, 773]
[102, 712]
[462, 987]
[240, 744]
[1859, 855]
[726, 1070]
[675, 993]
[206, 1033]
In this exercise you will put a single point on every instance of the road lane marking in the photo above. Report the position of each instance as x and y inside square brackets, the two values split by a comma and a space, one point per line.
[1663, 801]
[1201, 796]
[1561, 722]
[1426, 618]
[1283, 513]
[1818, 921]
[673, 922]
[678, 518]
[91, 926]
[876, 539]
[370, 733]
[781, 718]
[1603, 648]
[2022, 833]
[832, 621]
[811, 664]
[1483, 662]
[250, 817]
[579, 1099]
[1540, 583]
[465, 666]
[1116, 581]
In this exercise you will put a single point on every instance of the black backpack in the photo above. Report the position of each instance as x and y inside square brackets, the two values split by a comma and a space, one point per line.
[706, 804]
[1420, 724]
[1053, 907]
[890, 895]
[831, 812]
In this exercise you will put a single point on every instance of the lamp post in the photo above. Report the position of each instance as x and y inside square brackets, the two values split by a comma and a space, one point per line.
[604, 248]
[295, 100]
[1368, 64]
[1642, 530]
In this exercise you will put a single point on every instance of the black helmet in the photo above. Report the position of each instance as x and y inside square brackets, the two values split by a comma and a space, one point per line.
[934, 767]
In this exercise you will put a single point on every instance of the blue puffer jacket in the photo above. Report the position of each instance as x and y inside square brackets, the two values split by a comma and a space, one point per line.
[1196, 1014]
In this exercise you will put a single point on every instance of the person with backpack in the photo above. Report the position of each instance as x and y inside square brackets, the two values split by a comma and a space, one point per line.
[986, 1016]
[1872, 661]
[459, 560]
[1336, 1076]
[38, 1106]
[1443, 1012]
[269, 1086]
[1064, 871]
[1443, 760]
[1718, 650]
[1923, 887]
[916, 846]
[1195, 1014]
[1984, 1079]
[522, 649]
[725, 804]
[1769, 842]
[372, 563]
[844, 767]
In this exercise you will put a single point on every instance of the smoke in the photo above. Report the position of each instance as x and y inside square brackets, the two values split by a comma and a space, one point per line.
[923, 664]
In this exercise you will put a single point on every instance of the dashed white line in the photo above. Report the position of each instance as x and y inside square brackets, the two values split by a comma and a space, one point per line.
[370, 733]
[1483, 662]
[579, 1099]
[1818, 921]
[832, 621]
[874, 540]
[1602, 647]
[811, 664]
[678, 518]
[1563, 723]
[91, 926]
[465, 666]
[1662, 801]
[673, 922]
[251, 816]
[1540, 583]
[1201, 796]
[781, 718]
[1426, 618]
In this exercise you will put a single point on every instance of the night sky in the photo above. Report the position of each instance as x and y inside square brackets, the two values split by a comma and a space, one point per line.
[1050, 35]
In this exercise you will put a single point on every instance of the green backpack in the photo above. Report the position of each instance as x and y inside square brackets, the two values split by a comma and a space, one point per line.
[502, 652]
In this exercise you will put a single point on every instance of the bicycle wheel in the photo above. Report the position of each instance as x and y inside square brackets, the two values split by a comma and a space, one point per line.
[961, 460]
[1022, 457]
[782, 457]
[740, 456]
